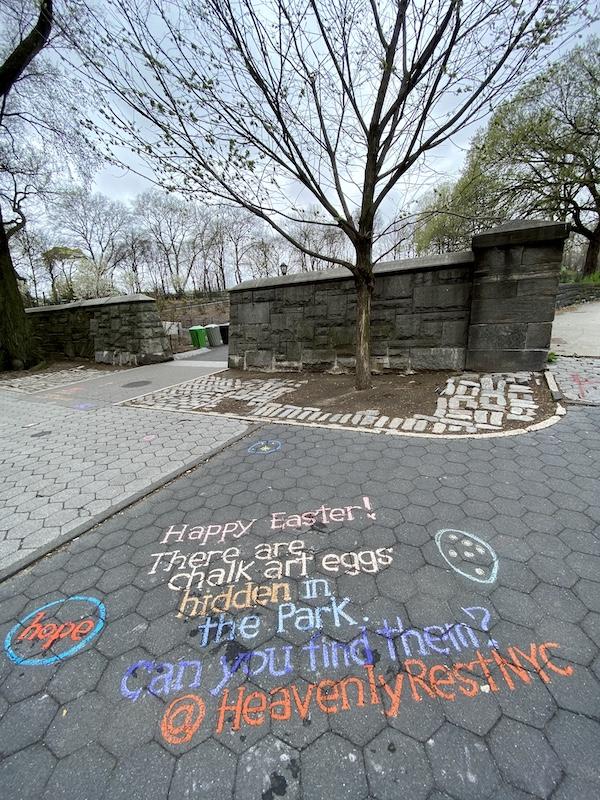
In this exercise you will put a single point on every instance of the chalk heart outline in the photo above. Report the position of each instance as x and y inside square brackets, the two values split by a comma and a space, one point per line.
[482, 542]
[40, 662]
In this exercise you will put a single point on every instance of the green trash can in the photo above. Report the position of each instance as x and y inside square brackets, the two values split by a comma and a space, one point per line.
[198, 336]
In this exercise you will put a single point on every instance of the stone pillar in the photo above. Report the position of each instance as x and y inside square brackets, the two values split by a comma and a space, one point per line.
[515, 282]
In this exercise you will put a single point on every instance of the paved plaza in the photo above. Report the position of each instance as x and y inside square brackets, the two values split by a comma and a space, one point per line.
[70, 457]
[317, 613]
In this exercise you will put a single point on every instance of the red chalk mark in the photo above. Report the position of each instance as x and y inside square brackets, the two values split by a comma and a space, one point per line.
[182, 719]
[581, 382]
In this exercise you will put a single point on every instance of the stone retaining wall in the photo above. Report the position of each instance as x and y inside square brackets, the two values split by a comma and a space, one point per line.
[198, 312]
[571, 293]
[112, 330]
[489, 309]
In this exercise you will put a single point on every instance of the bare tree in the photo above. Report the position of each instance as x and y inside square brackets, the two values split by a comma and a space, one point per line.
[137, 259]
[240, 231]
[26, 250]
[280, 105]
[97, 226]
[181, 236]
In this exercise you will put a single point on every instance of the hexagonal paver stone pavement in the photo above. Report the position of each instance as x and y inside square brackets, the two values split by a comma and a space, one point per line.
[293, 623]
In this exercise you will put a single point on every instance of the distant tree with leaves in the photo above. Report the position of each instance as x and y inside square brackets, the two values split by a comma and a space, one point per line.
[452, 213]
[542, 149]
[538, 156]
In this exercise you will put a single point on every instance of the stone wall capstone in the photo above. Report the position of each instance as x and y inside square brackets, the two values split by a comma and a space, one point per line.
[114, 330]
[489, 308]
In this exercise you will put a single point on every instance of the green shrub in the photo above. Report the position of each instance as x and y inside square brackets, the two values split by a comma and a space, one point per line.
[592, 280]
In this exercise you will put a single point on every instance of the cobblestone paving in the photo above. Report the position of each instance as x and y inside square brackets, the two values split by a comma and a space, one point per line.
[578, 379]
[60, 468]
[207, 392]
[440, 638]
[49, 380]
[467, 404]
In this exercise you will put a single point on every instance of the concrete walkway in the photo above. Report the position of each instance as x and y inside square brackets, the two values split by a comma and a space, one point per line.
[368, 618]
[70, 457]
[576, 331]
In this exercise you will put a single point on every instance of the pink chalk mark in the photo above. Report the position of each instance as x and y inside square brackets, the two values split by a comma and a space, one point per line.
[581, 382]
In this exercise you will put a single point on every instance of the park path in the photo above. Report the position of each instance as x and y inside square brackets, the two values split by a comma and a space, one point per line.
[576, 331]
[70, 455]
[576, 340]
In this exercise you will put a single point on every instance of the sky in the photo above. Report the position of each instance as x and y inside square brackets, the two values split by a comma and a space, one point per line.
[446, 161]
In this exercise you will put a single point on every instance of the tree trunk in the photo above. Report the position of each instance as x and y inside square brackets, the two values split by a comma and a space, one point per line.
[364, 291]
[24, 53]
[592, 256]
[17, 347]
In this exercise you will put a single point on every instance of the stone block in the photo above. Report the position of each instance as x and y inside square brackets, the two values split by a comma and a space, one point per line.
[253, 313]
[400, 361]
[538, 335]
[453, 275]
[503, 261]
[393, 286]
[263, 296]
[441, 297]
[437, 357]
[144, 359]
[342, 336]
[405, 327]
[261, 359]
[317, 311]
[497, 336]
[236, 361]
[518, 309]
[550, 254]
[542, 285]
[430, 329]
[495, 289]
[318, 357]
[293, 351]
[400, 305]
[454, 333]
[298, 295]
[506, 360]
[305, 330]
[282, 365]
[523, 232]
